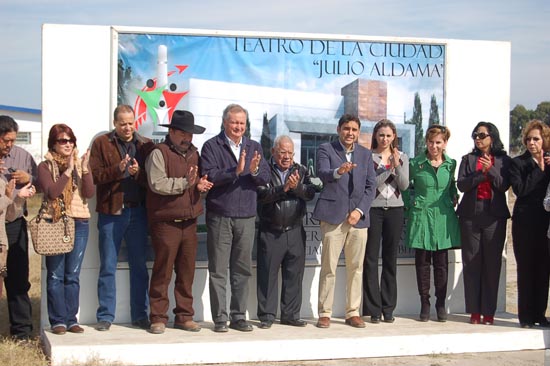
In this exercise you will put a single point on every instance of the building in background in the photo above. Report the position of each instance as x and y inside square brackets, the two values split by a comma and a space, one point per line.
[29, 136]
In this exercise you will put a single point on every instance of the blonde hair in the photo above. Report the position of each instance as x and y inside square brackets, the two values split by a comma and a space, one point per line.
[435, 130]
[536, 124]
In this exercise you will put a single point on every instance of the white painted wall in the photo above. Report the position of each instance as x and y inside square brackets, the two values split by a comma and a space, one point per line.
[477, 88]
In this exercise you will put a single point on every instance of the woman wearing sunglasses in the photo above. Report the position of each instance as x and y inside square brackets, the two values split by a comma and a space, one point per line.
[432, 226]
[483, 214]
[529, 177]
[63, 175]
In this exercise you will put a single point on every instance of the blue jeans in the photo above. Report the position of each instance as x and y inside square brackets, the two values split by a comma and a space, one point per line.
[63, 279]
[131, 226]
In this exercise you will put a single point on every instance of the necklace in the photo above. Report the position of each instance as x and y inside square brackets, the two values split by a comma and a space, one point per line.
[436, 163]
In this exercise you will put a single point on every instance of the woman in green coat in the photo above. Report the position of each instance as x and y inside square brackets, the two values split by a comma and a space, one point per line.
[432, 226]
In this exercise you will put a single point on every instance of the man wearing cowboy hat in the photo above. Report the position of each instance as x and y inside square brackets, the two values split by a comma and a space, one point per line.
[174, 203]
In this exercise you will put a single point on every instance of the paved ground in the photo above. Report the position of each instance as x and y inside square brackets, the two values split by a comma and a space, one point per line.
[523, 358]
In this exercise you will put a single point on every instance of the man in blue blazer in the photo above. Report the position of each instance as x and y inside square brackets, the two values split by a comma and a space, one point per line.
[349, 180]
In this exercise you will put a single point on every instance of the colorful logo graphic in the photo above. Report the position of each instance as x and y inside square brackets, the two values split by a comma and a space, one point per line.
[158, 98]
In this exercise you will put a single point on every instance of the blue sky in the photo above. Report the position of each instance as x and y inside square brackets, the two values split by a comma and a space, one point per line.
[525, 23]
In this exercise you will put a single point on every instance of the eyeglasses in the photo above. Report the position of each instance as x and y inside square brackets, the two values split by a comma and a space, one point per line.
[480, 135]
[285, 153]
[64, 141]
[443, 129]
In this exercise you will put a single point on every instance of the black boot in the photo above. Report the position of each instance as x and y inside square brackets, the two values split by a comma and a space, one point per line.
[424, 308]
[441, 265]
[422, 265]
[441, 312]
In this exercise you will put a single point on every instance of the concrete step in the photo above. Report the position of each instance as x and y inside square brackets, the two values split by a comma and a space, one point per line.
[128, 345]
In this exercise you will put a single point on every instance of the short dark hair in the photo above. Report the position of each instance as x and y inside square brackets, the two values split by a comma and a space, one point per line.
[122, 108]
[348, 118]
[57, 130]
[7, 124]
[497, 147]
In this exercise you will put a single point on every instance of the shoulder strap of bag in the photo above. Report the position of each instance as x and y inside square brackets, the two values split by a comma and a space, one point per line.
[54, 170]
[65, 218]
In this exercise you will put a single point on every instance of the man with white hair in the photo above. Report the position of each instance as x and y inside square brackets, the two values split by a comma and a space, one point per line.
[281, 244]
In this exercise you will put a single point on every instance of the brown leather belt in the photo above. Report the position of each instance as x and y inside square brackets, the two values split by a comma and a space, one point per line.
[131, 204]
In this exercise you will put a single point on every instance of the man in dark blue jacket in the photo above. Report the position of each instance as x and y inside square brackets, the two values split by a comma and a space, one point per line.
[234, 164]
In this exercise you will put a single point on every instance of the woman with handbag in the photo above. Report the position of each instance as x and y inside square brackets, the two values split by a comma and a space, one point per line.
[67, 185]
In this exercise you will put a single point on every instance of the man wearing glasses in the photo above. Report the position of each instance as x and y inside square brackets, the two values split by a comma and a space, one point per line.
[16, 163]
[282, 206]
[117, 161]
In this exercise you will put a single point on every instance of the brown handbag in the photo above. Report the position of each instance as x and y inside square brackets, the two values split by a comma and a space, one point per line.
[52, 238]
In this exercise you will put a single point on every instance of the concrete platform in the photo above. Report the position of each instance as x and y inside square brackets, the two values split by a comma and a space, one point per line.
[127, 345]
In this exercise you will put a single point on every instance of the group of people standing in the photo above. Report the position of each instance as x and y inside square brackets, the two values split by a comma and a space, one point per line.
[371, 200]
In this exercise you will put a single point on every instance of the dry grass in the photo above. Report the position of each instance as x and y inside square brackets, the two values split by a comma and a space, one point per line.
[21, 354]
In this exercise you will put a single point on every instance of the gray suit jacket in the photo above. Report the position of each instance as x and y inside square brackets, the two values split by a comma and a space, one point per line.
[469, 179]
[352, 190]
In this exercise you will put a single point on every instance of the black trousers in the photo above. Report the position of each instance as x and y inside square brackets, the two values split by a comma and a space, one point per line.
[440, 260]
[284, 251]
[386, 228]
[17, 283]
[483, 239]
[532, 259]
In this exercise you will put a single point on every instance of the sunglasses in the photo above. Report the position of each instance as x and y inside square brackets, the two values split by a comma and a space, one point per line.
[480, 135]
[64, 141]
[443, 129]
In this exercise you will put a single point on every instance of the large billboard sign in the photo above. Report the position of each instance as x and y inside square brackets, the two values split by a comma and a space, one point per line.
[372, 79]
[290, 85]
[294, 84]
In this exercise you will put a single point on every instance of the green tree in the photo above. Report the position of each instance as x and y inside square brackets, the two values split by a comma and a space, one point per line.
[434, 112]
[543, 112]
[265, 139]
[519, 116]
[416, 120]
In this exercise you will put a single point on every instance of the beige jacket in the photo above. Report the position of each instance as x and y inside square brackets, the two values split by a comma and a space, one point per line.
[10, 209]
